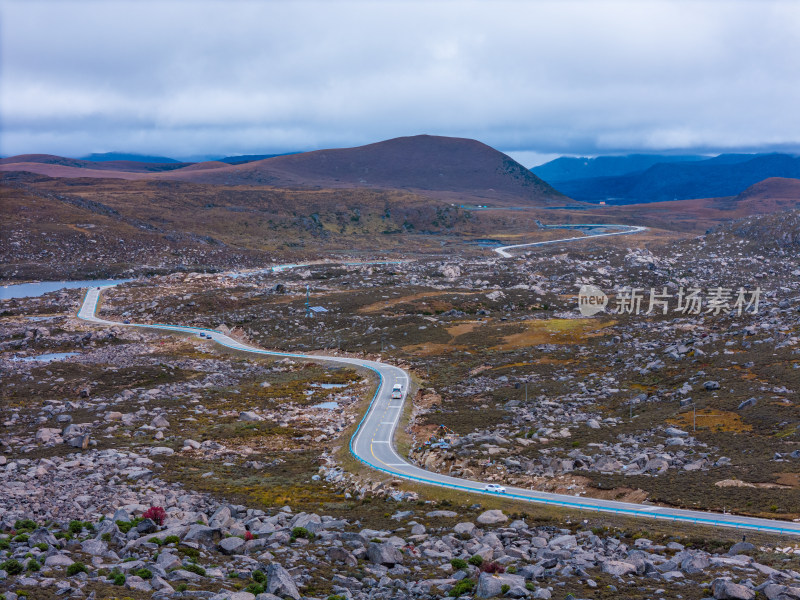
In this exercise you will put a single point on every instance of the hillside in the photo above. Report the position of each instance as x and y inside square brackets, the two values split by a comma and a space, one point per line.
[454, 169]
[727, 175]
[60, 166]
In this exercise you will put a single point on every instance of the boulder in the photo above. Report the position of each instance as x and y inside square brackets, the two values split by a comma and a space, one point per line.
[492, 517]
[134, 582]
[465, 527]
[58, 560]
[231, 545]
[146, 526]
[94, 547]
[42, 536]
[160, 422]
[725, 589]
[281, 583]
[618, 568]
[202, 533]
[490, 586]
[697, 563]
[384, 554]
[741, 548]
[80, 441]
[747, 403]
[249, 415]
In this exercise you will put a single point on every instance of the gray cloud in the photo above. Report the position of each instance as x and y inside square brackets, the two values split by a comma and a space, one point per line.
[533, 78]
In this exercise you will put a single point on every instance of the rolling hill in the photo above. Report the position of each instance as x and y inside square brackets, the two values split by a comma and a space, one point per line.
[455, 169]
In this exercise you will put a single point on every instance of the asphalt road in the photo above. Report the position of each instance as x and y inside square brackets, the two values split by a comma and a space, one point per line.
[373, 441]
[626, 230]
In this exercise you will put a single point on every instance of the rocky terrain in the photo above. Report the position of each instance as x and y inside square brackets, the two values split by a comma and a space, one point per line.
[145, 465]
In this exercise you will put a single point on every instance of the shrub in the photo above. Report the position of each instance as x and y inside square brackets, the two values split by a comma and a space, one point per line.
[33, 565]
[182, 587]
[12, 567]
[255, 589]
[155, 514]
[106, 537]
[144, 573]
[75, 527]
[75, 568]
[462, 587]
[492, 568]
[512, 569]
[196, 569]
[41, 546]
[504, 588]
[22, 537]
[530, 586]
[23, 525]
[248, 536]
[301, 532]
[458, 563]
[117, 577]
[336, 597]
[172, 539]
[476, 560]
[125, 526]
[5, 545]
[259, 577]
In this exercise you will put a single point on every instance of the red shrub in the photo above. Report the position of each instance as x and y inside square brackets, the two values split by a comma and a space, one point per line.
[248, 536]
[492, 568]
[156, 514]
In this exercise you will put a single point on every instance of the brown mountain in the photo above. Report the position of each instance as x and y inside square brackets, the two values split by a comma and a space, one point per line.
[442, 166]
[455, 169]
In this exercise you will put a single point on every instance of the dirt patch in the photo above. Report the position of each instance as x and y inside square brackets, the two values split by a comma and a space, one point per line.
[432, 349]
[388, 303]
[554, 331]
[462, 328]
[715, 420]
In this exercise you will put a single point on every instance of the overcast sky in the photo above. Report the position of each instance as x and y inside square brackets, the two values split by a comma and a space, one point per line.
[535, 79]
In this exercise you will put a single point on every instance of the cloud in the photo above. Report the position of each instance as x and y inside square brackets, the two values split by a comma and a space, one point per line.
[573, 77]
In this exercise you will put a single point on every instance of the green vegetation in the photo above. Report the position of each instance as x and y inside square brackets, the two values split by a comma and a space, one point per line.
[117, 577]
[458, 563]
[144, 573]
[301, 532]
[23, 525]
[75, 568]
[462, 587]
[476, 560]
[12, 567]
[193, 568]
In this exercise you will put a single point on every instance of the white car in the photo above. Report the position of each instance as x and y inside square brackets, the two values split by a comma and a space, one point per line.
[493, 487]
[397, 391]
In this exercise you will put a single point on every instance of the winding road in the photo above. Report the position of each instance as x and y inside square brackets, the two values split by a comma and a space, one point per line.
[373, 441]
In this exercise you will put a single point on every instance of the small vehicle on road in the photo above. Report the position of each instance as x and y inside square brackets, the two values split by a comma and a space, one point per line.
[495, 488]
[126, 322]
[397, 391]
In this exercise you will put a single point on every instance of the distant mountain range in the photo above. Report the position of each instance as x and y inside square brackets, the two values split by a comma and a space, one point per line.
[126, 156]
[653, 178]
